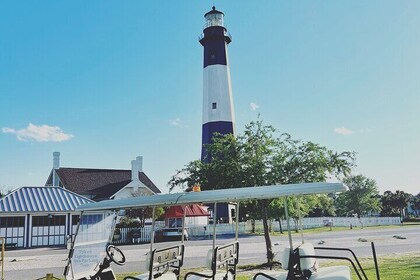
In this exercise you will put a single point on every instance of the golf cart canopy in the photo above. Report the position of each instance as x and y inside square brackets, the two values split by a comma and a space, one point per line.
[215, 196]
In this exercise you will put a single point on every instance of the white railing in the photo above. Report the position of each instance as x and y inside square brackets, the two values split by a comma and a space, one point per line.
[322, 221]
[143, 235]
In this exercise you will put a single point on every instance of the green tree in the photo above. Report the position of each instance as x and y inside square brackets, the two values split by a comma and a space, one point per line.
[360, 199]
[415, 202]
[402, 199]
[141, 214]
[394, 204]
[388, 205]
[323, 206]
[259, 158]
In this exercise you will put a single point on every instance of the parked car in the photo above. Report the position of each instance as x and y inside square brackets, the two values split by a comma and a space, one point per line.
[170, 234]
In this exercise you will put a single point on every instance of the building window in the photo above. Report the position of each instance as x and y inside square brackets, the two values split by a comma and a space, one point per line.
[175, 222]
[48, 230]
[13, 229]
[214, 105]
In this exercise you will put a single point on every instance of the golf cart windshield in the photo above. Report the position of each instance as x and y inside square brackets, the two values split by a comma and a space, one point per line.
[89, 247]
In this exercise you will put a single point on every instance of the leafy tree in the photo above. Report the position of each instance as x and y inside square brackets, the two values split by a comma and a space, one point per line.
[360, 199]
[402, 199]
[323, 206]
[259, 158]
[141, 214]
[394, 204]
[388, 205]
[415, 202]
[137, 216]
[6, 190]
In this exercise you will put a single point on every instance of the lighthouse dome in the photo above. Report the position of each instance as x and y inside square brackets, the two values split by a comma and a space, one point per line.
[214, 18]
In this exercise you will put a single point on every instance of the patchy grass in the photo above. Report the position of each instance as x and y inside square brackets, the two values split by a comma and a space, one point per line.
[327, 229]
[405, 267]
[123, 275]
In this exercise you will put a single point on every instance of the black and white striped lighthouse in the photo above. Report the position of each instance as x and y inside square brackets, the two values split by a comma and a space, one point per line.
[218, 114]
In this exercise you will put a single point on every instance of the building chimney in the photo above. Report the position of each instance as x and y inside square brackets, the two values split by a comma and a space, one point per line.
[134, 170]
[56, 160]
[140, 163]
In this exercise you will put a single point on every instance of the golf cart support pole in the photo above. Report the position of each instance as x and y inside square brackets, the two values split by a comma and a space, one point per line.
[3, 240]
[152, 237]
[237, 221]
[214, 225]
[375, 260]
[300, 218]
[286, 212]
[183, 224]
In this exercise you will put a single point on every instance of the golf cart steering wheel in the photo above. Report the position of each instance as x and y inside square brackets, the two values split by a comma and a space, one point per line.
[115, 255]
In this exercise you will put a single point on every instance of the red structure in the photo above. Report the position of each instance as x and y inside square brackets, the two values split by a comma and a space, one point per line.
[194, 210]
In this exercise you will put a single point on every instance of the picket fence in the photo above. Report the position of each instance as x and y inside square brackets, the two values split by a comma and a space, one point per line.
[202, 232]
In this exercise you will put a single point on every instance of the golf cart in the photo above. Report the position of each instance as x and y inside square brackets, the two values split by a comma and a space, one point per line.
[91, 254]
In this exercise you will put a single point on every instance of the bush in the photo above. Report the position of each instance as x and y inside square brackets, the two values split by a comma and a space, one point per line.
[127, 222]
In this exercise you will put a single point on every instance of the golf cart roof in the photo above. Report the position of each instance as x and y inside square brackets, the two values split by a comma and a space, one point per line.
[213, 196]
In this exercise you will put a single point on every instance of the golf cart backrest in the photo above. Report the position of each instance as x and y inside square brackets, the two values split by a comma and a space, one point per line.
[307, 249]
[165, 262]
[163, 257]
[222, 255]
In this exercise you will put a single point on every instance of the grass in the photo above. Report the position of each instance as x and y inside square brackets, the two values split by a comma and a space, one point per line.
[327, 229]
[404, 267]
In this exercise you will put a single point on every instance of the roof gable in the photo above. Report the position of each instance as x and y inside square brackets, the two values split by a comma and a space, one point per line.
[101, 182]
[41, 199]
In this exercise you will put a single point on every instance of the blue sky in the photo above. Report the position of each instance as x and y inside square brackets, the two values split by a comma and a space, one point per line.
[104, 81]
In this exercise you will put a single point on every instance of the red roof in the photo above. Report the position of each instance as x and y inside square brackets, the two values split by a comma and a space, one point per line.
[191, 211]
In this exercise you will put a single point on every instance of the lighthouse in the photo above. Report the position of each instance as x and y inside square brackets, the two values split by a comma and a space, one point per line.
[218, 114]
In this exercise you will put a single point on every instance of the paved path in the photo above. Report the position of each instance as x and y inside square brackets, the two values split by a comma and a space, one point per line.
[35, 263]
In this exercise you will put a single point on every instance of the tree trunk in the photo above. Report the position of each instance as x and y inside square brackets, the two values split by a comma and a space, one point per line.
[281, 229]
[270, 255]
[252, 226]
[295, 221]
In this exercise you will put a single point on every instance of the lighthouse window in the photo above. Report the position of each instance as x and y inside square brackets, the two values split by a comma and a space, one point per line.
[214, 105]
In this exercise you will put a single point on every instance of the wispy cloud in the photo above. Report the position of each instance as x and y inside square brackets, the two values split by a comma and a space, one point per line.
[41, 133]
[343, 131]
[253, 106]
[177, 122]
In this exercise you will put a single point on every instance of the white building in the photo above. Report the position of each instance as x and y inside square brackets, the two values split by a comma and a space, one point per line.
[102, 184]
[39, 216]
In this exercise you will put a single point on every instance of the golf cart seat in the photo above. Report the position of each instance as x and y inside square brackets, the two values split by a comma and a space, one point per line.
[221, 263]
[307, 265]
[276, 274]
[162, 264]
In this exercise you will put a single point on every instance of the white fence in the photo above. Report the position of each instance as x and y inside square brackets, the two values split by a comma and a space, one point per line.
[246, 227]
[336, 222]
[143, 235]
